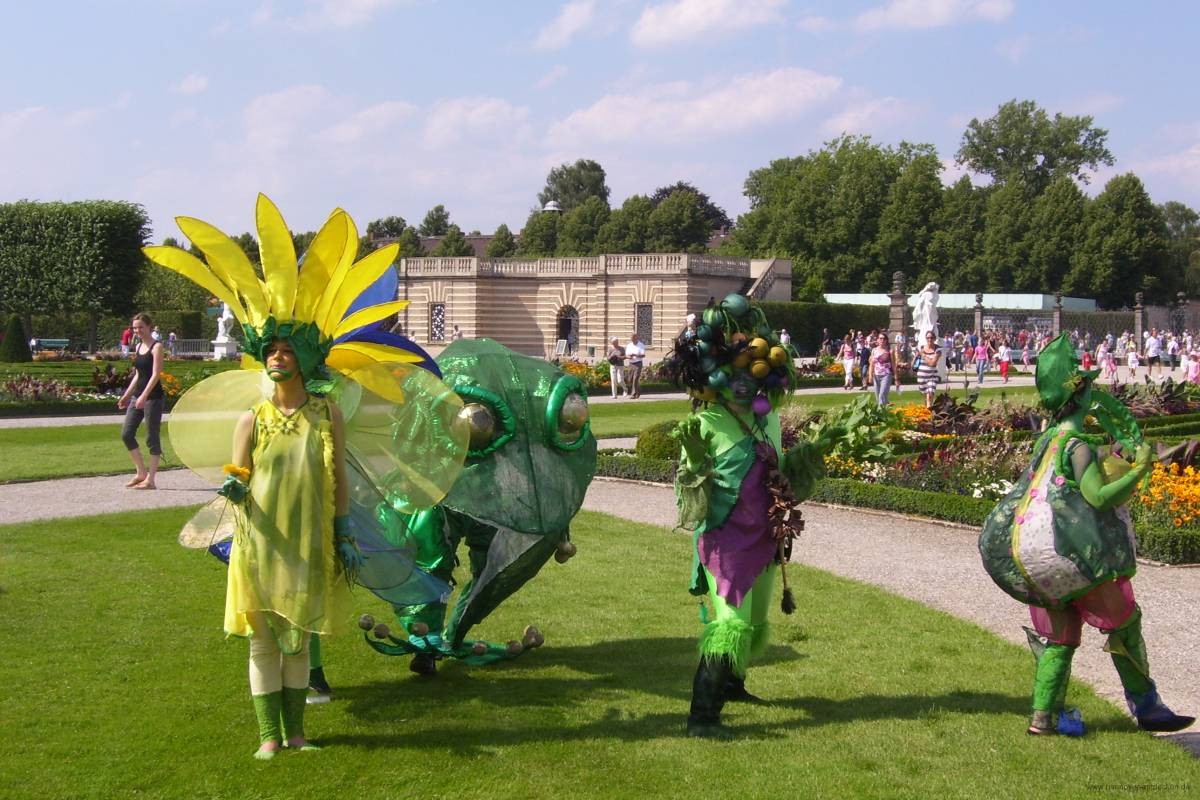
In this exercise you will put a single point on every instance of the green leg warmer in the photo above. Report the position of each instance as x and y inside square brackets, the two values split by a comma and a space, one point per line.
[1052, 676]
[728, 638]
[314, 652]
[1128, 651]
[293, 712]
[267, 708]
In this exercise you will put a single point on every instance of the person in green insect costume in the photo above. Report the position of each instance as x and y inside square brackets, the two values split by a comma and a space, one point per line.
[1062, 542]
[531, 458]
[737, 489]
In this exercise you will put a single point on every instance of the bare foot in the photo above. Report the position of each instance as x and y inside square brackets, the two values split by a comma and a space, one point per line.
[135, 481]
[267, 751]
[300, 743]
[145, 485]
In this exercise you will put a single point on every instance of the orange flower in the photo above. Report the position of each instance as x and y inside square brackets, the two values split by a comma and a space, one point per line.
[241, 473]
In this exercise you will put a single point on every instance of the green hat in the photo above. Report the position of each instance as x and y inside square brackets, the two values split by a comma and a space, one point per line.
[1058, 375]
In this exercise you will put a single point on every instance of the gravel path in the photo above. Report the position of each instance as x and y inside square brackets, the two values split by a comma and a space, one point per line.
[941, 567]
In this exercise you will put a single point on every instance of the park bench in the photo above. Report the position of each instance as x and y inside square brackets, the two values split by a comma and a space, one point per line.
[53, 344]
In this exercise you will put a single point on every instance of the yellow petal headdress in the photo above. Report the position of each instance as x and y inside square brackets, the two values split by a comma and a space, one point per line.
[307, 306]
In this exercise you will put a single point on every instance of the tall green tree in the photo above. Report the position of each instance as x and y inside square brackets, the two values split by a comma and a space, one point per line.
[1022, 142]
[386, 228]
[249, 246]
[453, 244]
[502, 245]
[167, 290]
[907, 223]
[1183, 244]
[436, 222]
[1124, 247]
[678, 224]
[714, 215]
[1005, 238]
[957, 237]
[15, 347]
[628, 227]
[410, 244]
[539, 237]
[580, 228]
[570, 184]
[1054, 233]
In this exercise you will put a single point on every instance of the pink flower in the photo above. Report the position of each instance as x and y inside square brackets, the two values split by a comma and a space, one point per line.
[1033, 492]
[1020, 519]
[1060, 480]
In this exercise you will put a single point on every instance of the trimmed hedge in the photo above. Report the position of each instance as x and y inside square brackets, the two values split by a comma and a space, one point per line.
[1150, 423]
[655, 442]
[614, 464]
[1169, 545]
[804, 321]
[15, 346]
[948, 507]
[1183, 429]
[63, 408]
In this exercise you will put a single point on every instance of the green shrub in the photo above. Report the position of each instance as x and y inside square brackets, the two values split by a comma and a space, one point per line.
[655, 442]
[1169, 545]
[804, 321]
[15, 347]
[619, 464]
[948, 507]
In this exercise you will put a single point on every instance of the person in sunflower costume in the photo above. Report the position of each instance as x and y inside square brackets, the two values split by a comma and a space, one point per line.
[737, 489]
[1062, 542]
[314, 419]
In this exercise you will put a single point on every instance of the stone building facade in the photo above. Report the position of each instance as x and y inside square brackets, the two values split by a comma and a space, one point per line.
[536, 305]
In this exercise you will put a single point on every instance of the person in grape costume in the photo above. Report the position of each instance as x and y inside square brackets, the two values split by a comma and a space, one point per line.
[1062, 542]
[737, 490]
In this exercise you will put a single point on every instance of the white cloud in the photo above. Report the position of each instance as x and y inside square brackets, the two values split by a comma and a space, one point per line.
[867, 116]
[572, 19]
[671, 111]
[319, 15]
[556, 73]
[684, 20]
[370, 121]
[275, 121]
[1015, 48]
[183, 117]
[194, 83]
[1182, 166]
[453, 121]
[815, 24]
[925, 14]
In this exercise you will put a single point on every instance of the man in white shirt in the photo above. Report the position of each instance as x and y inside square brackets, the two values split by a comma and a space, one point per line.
[635, 354]
[1153, 352]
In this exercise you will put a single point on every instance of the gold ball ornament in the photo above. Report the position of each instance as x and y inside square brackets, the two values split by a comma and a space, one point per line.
[778, 357]
[742, 360]
[759, 347]
[760, 369]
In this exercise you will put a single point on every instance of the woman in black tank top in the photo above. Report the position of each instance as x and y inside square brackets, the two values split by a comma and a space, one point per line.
[143, 399]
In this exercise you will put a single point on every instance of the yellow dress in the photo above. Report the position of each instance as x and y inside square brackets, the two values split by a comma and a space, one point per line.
[283, 562]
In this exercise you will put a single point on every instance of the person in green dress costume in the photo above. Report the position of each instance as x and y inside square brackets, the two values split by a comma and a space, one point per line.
[1062, 542]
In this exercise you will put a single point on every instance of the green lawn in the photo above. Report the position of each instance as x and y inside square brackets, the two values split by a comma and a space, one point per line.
[118, 683]
[28, 454]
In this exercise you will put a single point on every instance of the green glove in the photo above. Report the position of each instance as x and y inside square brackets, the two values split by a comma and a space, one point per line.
[694, 443]
[235, 489]
[347, 549]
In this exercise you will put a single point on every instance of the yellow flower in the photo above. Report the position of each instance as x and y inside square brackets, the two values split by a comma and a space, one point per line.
[241, 473]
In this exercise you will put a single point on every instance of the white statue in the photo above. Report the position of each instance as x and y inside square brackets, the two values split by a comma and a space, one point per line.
[925, 312]
[224, 324]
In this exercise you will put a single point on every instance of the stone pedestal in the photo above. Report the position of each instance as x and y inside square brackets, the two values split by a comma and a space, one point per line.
[898, 309]
[225, 349]
[1139, 321]
[1056, 320]
[979, 313]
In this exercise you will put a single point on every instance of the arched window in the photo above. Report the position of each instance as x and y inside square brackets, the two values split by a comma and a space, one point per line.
[568, 327]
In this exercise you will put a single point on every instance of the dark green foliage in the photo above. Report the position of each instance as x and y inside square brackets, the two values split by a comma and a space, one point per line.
[628, 227]
[539, 237]
[410, 244]
[580, 227]
[907, 223]
[714, 215]
[938, 505]
[436, 222]
[570, 184]
[502, 245]
[804, 321]
[386, 228]
[1123, 249]
[1169, 545]
[678, 224]
[453, 244]
[655, 442]
[612, 464]
[957, 237]
[15, 347]
[83, 256]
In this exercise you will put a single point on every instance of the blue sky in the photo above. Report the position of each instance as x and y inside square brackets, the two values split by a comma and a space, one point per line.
[391, 106]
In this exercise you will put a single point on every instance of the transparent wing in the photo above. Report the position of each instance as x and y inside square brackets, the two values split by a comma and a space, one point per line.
[202, 422]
